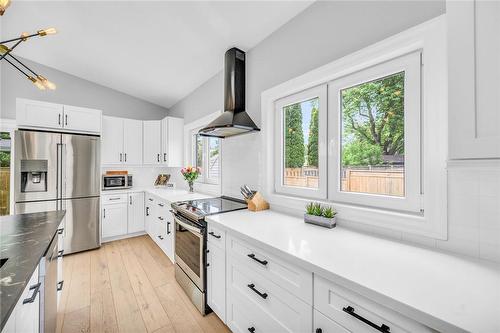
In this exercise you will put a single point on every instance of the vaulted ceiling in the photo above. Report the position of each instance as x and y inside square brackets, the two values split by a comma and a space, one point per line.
[158, 51]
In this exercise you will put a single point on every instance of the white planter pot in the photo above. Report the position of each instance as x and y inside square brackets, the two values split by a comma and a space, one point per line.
[321, 220]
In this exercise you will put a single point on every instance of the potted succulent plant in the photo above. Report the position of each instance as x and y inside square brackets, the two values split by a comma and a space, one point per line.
[190, 175]
[320, 215]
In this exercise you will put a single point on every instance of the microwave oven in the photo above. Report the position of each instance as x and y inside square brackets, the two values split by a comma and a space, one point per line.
[116, 182]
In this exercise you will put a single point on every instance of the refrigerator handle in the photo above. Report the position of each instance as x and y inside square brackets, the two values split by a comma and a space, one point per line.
[63, 171]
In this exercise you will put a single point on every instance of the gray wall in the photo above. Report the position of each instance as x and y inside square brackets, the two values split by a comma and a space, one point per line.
[325, 31]
[71, 90]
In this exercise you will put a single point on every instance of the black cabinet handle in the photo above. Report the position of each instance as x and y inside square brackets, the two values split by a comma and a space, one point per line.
[161, 205]
[158, 157]
[150, 199]
[36, 289]
[59, 120]
[168, 228]
[319, 330]
[60, 231]
[121, 157]
[125, 155]
[252, 286]
[164, 157]
[382, 328]
[130, 199]
[251, 329]
[211, 233]
[160, 237]
[60, 254]
[66, 120]
[160, 218]
[104, 213]
[262, 262]
[147, 211]
[60, 285]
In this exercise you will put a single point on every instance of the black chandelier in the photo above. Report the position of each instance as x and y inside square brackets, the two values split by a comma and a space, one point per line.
[6, 54]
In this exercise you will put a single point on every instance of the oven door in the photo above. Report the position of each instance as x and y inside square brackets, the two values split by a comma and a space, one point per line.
[189, 247]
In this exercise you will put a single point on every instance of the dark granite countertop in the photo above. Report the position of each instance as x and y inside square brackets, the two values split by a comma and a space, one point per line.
[24, 239]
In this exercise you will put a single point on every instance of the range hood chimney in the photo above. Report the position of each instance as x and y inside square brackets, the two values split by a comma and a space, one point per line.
[234, 120]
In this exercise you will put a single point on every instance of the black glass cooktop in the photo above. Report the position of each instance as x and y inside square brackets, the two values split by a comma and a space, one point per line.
[210, 206]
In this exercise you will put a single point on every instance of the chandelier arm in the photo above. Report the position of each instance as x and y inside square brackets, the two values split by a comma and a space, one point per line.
[10, 50]
[19, 38]
[19, 62]
[19, 69]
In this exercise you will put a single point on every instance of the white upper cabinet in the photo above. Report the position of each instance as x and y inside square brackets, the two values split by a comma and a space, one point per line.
[132, 141]
[152, 142]
[112, 140]
[172, 141]
[30, 113]
[474, 78]
[121, 141]
[38, 114]
[82, 119]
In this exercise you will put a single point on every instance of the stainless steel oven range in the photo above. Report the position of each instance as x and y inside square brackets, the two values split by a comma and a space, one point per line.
[191, 243]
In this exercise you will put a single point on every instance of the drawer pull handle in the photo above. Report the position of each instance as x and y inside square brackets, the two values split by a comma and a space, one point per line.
[114, 199]
[60, 254]
[160, 218]
[251, 329]
[60, 285]
[150, 199]
[252, 286]
[160, 237]
[36, 289]
[168, 228]
[262, 262]
[382, 328]
[60, 231]
[161, 205]
[147, 211]
[211, 233]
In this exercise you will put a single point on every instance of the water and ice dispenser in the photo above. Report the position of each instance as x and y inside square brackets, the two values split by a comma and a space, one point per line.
[34, 175]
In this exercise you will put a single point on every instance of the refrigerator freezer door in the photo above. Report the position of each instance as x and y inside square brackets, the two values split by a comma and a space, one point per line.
[36, 165]
[81, 230]
[80, 166]
[35, 207]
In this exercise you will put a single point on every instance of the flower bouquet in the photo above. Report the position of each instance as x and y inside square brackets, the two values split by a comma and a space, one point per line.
[190, 175]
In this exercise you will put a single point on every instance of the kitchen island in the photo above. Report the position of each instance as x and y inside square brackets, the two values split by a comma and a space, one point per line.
[24, 240]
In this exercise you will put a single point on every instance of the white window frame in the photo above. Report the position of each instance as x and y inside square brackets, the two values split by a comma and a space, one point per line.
[204, 178]
[428, 37]
[409, 64]
[319, 92]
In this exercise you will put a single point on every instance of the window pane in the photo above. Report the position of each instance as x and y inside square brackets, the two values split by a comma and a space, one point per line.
[199, 151]
[301, 144]
[5, 148]
[373, 137]
[213, 160]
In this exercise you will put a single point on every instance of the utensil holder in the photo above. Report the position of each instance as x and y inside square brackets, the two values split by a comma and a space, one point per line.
[257, 203]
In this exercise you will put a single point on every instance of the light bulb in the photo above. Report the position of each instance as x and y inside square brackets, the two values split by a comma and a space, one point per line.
[46, 83]
[37, 83]
[48, 31]
[3, 6]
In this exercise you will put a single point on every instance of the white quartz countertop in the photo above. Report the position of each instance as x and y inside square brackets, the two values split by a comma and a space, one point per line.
[170, 195]
[446, 292]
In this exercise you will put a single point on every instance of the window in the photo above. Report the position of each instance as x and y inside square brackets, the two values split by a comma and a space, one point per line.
[375, 125]
[301, 139]
[206, 155]
[5, 149]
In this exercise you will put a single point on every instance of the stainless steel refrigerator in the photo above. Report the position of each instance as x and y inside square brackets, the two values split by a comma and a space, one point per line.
[60, 171]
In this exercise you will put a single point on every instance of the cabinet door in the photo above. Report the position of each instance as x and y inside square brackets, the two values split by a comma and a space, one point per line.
[169, 239]
[150, 215]
[132, 141]
[27, 314]
[323, 324]
[112, 140]
[174, 144]
[216, 280]
[82, 119]
[135, 212]
[114, 220]
[152, 141]
[473, 78]
[38, 114]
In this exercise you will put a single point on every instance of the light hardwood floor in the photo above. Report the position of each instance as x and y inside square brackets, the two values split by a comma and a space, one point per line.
[127, 286]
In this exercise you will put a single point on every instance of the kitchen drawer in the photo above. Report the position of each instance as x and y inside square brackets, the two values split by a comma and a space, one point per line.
[216, 236]
[293, 314]
[323, 324]
[292, 278]
[243, 317]
[162, 208]
[150, 199]
[331, 299]
[110, 199]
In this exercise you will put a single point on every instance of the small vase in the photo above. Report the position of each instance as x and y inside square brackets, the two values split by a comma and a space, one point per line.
[191, 189]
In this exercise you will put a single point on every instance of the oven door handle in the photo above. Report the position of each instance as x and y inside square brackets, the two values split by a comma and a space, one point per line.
[188, 227]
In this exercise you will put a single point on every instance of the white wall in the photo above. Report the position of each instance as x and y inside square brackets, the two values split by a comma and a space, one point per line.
[322, 33]
[71, 90]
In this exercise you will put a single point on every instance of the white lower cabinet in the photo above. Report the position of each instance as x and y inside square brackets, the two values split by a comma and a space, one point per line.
[159, 224]
[135, 212]
[114, 220]
[216, 279]
[60, 249]
[25, 315]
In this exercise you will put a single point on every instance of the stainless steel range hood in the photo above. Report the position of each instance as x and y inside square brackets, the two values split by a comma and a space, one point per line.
[234, 120]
